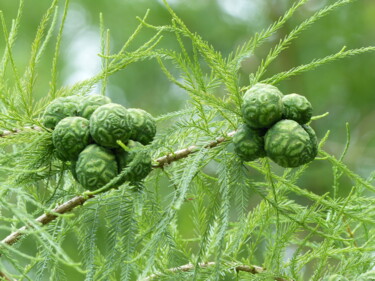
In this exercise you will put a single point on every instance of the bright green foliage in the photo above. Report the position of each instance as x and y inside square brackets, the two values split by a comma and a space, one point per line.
[209, 208]
[143, 126]
[297, 108]
[89, 103]
[58, 109]
[70, 137]
[262, 106]
[140, 167]
[96, 166]
[110, 123]
[249, 143]
[288, 144]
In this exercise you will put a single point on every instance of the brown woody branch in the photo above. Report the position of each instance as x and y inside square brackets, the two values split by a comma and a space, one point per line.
[80, 200]
[253, 269]
[47, 218]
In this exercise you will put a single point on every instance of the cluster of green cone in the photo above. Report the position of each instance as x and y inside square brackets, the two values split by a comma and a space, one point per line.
[275, 126]
[100, 138]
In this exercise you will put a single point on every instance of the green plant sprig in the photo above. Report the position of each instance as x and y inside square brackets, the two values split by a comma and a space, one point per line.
[343, 53]
[144, 226]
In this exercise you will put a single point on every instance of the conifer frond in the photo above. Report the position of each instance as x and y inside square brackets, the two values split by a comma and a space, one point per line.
[87, 233]
[122, 225]
[213, 58]
[53, 82]
[38, 46]
[285, 42]
[343, 53]
[245, 216]
[105, 49]
[11, 39]
[159, 230]
[248, 47]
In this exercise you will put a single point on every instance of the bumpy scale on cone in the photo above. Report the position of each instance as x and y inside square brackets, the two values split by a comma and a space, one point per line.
[248, 143]
[70, 137]
[90, 103]
[59, 109]
[95, 167]
[313, 140]
[262, 106]
[109, 123]
[143, 126]
[288, 144]
[297, 108]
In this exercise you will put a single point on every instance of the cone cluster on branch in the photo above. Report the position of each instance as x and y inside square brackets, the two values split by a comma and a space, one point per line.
[275, 125]
[100, 138]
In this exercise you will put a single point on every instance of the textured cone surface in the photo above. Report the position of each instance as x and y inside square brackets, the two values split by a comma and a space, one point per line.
[72, 169]
[59, 109]
[297, 108]
[70, 137]
[143, 126]
[109, 123]
[288, 144]
[262, 106]
[137, 158]
[96, 166]
[248, 144]
[125, 157]
[90, 103]
[313, 140]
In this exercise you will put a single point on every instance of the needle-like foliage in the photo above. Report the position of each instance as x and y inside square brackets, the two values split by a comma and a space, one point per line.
[250, 220]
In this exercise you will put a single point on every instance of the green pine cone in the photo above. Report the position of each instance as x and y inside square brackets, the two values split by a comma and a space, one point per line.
[137, 158]
[96, 166]
[289, 145]
[297, 108]
[90, 103]
[109, 123]
[262, 106]
[58, 109]
[70, 137]
[143, 126]
[248, 143]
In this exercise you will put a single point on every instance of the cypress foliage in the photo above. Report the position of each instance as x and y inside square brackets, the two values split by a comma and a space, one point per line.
[193, 162]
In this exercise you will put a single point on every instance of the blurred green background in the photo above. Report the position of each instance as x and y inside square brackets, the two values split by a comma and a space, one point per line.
[345, 89]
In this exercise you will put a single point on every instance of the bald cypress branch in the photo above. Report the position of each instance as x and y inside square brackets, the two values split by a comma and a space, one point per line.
[80, 200]
[253, 269]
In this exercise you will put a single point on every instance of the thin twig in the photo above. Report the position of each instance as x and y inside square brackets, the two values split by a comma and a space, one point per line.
[350, 233]
[7, 133]
[5, 278]
[47, 218]
[183, 153]
[182, 268]
[253, 269]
